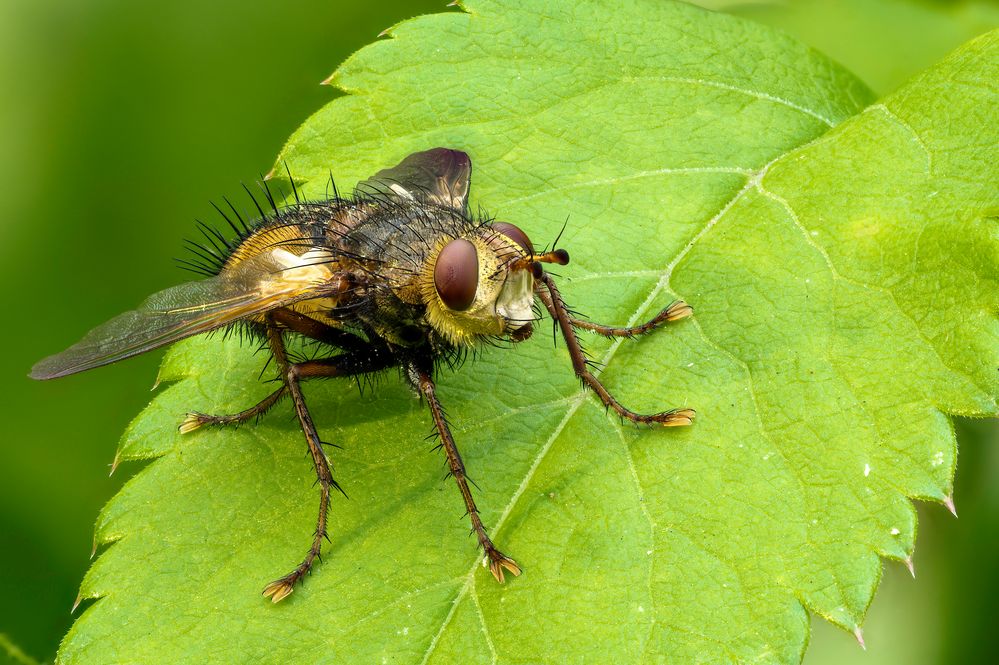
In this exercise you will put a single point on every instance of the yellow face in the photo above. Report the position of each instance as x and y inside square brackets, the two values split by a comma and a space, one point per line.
[481, 285]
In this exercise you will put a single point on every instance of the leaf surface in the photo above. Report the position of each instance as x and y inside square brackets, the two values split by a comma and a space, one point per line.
[841, 260]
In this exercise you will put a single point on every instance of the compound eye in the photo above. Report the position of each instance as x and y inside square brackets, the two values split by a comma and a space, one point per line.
[456, 274]
[515, 234]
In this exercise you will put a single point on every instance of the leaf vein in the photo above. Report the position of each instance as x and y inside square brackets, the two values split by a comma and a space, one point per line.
[744, 91]
[916, 138]
[474, 595]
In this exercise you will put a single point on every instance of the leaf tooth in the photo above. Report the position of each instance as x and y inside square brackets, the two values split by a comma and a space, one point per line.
[858, 633]
[949, 502]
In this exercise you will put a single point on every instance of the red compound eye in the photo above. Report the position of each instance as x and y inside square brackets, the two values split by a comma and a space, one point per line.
[456, 274]
[515, 234]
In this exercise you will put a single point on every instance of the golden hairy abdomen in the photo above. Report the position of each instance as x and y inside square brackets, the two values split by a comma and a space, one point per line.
[294, 257]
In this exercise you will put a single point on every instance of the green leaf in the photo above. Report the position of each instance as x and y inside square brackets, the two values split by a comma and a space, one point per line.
[841, 261]
[883, 42]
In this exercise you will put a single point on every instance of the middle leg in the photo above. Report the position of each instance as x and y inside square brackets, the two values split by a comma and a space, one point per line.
[497, 560]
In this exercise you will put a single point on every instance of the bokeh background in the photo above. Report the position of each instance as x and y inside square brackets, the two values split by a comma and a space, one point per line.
[120, 120]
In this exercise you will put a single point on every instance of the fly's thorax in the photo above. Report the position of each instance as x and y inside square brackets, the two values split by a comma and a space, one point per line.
[390, 240]
[478, 284]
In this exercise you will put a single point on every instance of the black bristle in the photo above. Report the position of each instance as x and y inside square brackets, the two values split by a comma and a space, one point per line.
[294, 189]
[266, 188]
[211, 234]
[239, 233]
[263, 215]
[246, 229]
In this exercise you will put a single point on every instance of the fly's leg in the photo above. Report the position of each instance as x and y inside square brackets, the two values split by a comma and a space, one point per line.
[293, 321]
[497, 560]
[557, 308]
[318, 330]
[674, 312]
[281, 588]
[195, 420]
[292, 374]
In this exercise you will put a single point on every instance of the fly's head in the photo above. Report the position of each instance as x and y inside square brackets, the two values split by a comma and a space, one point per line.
[481, 284]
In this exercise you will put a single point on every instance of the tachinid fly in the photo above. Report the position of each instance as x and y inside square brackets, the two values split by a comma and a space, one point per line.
[398, 275]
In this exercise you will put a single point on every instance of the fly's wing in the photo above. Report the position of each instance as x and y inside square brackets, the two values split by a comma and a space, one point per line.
[440, 176]
[253, 287]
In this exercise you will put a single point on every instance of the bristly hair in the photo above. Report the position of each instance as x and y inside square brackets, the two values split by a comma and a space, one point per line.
[211, 252]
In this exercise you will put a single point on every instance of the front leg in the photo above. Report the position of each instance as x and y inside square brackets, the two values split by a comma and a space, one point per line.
[497, 560]
[567, 324]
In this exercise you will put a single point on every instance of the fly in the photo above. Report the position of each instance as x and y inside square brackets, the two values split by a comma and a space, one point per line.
[400, 274]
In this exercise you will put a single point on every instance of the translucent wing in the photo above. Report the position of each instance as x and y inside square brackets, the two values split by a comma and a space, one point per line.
[255, 286]
[439, 176]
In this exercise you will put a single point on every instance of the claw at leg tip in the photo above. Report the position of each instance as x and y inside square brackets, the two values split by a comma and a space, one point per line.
[497, 562]
[278, 591]
[679, 418]
[678, 310]
[190, 423]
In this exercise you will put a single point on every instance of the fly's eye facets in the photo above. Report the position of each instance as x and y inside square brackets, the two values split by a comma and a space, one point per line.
[456, 274]
[515, 234]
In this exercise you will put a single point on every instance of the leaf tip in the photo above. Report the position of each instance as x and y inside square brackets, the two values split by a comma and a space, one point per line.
[387, 32]
[114, 463]
[76, 603]
[858, 634]
[910, 566]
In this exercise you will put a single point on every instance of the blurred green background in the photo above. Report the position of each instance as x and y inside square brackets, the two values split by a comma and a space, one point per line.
[121, 120]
